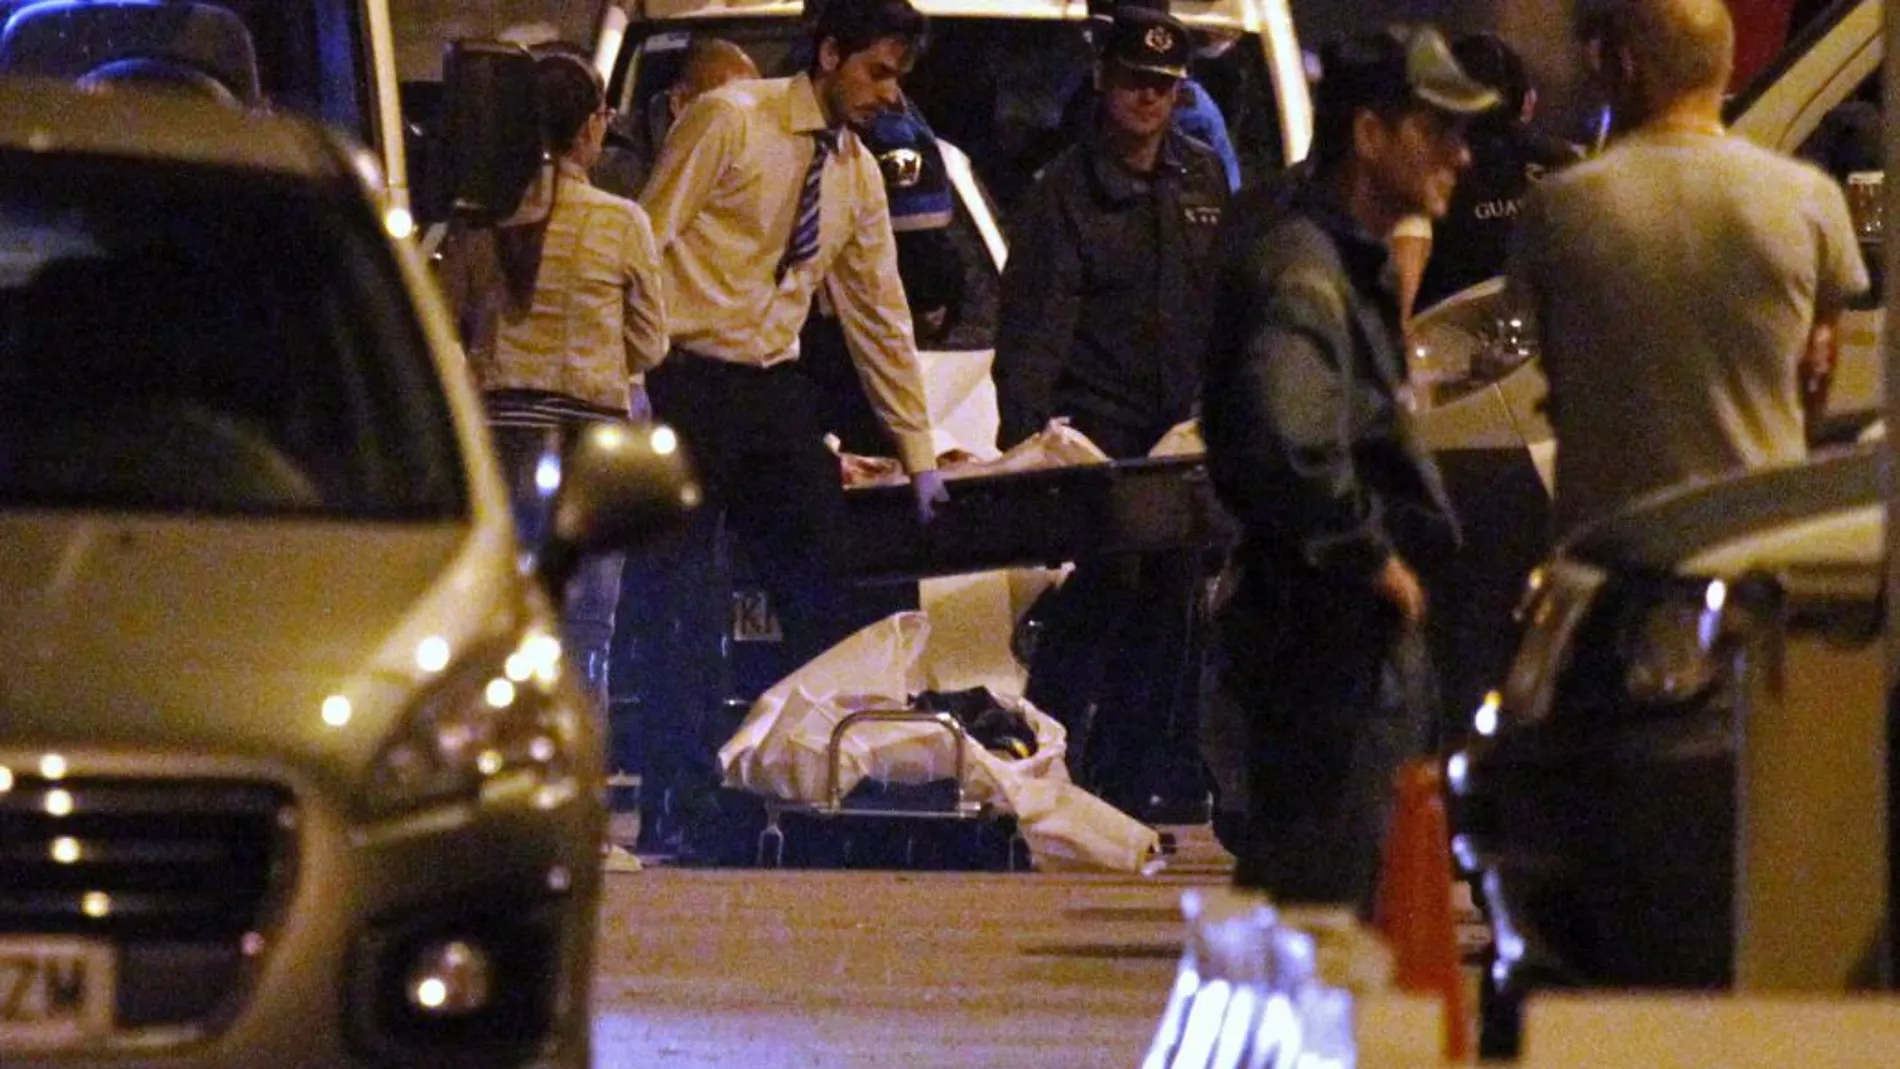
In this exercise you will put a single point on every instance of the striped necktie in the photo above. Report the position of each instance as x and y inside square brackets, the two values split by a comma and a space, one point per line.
[804, 242]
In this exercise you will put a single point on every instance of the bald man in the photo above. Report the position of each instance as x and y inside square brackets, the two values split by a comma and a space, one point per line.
[710, 63]
[634, 141]
[1686, 284]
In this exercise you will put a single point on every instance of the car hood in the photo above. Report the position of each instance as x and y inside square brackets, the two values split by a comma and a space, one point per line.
[1824, 513]
[220, 640]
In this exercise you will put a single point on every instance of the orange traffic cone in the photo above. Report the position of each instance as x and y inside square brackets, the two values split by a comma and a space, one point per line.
[1413, 911]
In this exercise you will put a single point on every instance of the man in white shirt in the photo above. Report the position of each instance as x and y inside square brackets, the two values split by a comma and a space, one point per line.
[1686, 283]
[763, 193]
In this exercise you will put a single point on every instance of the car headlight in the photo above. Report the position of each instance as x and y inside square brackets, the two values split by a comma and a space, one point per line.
[1556, 598]
[1673, 646]
[491, 717]
[1641, 643]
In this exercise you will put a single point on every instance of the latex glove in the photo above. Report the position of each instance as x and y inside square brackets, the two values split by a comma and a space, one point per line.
[930, 491]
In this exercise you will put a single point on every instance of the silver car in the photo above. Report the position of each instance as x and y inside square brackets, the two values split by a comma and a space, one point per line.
[291, 773]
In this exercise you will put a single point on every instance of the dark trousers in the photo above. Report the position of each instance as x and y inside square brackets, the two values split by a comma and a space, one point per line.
[1117, 663]
[776, 500]
[1336, 696]
[594, 592]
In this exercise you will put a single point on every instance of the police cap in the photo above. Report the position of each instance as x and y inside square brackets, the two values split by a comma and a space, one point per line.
[1143, 39]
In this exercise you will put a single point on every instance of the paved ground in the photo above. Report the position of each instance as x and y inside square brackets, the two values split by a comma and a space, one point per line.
[852, 970]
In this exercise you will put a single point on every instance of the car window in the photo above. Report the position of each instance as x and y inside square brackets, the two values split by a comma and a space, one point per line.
[177, 339]
[304, 56]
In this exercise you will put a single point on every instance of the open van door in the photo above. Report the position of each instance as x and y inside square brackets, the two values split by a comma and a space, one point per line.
[487, 150]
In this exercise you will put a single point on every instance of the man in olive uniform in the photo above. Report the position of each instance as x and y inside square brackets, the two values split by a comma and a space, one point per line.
[1103, 321]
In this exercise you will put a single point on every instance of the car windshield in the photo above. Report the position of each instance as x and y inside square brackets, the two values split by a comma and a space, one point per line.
[996, 88]
[304, 56]
[179, 339]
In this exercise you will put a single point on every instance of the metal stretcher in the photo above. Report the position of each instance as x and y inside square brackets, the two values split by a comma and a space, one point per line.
[1020, 519]
[961, 808]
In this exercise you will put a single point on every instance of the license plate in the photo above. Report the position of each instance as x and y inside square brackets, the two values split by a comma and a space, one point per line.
[54, 991]
[753, 619]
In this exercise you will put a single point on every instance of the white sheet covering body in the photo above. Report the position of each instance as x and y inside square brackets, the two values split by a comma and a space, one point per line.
[781, 751]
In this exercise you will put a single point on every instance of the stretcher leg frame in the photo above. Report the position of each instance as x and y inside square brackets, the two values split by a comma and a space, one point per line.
[961, 808]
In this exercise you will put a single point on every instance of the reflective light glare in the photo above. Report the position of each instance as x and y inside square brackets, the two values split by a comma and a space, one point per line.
[433, 654]
[1464, 851]
[689, 496]
[489, 762]
[53, 766]
[1204, 1023]
[1281, 1032]
[500, 694]
[399, 223]
[518, 667]
[336, 710]
[541, 749]
[252, 944]
[96, 904]
[1485, 720]
[663, 441]
[547, 474]
[1236, 1031]
[451, 977]
[544, 657]
[1455, 768]
[611, 437]
[559, 879]
[6, 779]
[1186, 982]
[1715, 596]
[65, 850]
[59, 803]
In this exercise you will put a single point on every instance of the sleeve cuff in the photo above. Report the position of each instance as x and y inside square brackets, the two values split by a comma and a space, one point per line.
[918, 452]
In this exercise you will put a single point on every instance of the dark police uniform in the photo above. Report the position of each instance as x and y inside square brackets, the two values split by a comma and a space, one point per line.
[1103, 320]
[1469, 244]
[1104, 299]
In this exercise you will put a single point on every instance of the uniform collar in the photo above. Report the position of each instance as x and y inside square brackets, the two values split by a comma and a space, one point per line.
[1118, 181]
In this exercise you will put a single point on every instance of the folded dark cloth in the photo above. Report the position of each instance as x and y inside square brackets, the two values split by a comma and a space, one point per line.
[992, 724]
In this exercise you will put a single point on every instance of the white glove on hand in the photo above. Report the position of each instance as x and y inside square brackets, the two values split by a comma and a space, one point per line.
[930, 491]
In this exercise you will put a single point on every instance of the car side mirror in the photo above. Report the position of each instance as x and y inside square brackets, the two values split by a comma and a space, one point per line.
[1864, 198]
[623, 487]
[487, 150]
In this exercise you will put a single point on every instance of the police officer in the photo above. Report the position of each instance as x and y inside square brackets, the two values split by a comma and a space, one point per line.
[1102, 322]
[1508, 157]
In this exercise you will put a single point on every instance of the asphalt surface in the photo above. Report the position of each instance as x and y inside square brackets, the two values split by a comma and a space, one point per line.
[852, 970]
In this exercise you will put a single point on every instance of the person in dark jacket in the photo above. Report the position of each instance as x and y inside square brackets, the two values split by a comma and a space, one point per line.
[1102, 323]
[1103, 306]
[1508, 157]
[1322, 643]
